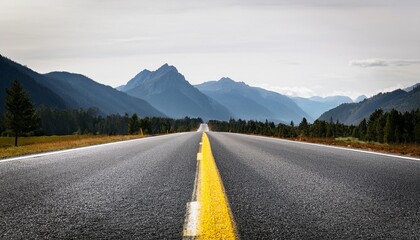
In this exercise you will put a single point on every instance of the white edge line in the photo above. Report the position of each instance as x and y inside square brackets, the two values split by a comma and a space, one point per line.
[80, 148]
[335, 147]
[191, 224]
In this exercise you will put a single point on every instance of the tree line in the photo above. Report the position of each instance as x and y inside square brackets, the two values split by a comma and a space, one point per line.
[80, 121]
[384, 127]
[23, 119]
[52, 121]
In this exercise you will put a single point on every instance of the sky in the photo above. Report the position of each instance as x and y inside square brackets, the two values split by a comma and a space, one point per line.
[295, 47]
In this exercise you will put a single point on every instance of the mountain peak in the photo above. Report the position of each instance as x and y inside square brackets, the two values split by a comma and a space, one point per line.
[360, 98]
[171, 93]
[226, 79]
[166, 68]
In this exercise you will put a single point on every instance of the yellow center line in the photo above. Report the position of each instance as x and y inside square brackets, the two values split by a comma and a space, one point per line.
[215, 218]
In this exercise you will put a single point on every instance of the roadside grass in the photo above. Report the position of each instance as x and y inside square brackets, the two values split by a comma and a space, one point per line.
[402, 149]
[412, 150]
[31, 145]
[351, 139]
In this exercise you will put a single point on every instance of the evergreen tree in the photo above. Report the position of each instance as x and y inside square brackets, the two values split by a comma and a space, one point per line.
[20, 116]
[416, 123]
[391, 131]
[363, 129]
[304, 127]
[2, 126]
[372, 125]
[380, 125]
[330, 132]
[133, 124]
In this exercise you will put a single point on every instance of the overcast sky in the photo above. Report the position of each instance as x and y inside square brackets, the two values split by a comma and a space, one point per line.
[296, 47]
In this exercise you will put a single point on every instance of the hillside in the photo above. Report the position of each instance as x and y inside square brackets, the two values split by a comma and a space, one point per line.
[409, 89]
[353, 113]
[167, 90]
[39, 94]
[248, 102]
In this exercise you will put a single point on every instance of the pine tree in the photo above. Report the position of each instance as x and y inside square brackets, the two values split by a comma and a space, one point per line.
[391, 133]
[20, 116]
[380, 125]
[133, 124]
[363, 129]
[372, 133]
[304, 127]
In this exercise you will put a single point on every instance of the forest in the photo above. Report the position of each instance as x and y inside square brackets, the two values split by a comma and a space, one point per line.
[383, 127]
[78, 121]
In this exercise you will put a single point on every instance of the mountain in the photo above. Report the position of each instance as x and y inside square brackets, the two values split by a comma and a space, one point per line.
[353, 113]
[66, 90]
[315, 106]
[412, 87]
[360, 98]
[254, 103]
[105, 98]
[39, 94]
[167, 90]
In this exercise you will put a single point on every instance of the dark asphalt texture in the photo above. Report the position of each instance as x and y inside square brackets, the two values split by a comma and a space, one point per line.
[286, 190]
[130, 190]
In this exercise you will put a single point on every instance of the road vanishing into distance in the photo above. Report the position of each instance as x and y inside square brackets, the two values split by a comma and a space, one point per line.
[274, 189]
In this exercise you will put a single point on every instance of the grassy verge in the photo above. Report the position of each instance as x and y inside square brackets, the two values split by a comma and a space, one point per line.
[31, 145]
[412, 150]
[403, 149]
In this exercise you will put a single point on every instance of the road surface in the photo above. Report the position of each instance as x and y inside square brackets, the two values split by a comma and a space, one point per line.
[276, 189]
[135, 189]
[288, 190]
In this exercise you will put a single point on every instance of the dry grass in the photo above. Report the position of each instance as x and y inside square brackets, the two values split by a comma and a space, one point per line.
[411, 149]
[403, 149]
[31, 145]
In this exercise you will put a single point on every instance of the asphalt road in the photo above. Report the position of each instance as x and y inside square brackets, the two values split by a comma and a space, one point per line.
[285, 190]
[276, 189]
[132, 190]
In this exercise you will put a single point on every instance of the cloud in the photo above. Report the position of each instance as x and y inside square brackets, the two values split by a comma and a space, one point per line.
[377, 62]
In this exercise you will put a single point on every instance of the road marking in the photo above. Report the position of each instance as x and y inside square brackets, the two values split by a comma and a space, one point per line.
[334, 147]
[191, 228]
[214, 219]
[37, 155]
[191, 223]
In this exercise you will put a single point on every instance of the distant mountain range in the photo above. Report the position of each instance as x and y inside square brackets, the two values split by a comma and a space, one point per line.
[316, 106]
[248, 102]
[67, 90]
[167, 90]
[353, 113]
